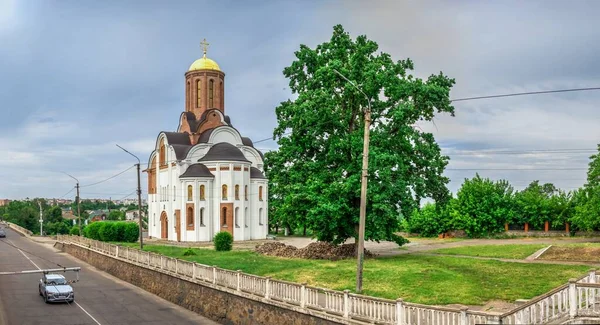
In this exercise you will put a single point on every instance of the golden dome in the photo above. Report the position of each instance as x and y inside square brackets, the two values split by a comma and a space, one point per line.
[204, 63]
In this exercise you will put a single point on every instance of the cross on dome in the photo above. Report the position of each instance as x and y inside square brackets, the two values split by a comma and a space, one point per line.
[204, 46]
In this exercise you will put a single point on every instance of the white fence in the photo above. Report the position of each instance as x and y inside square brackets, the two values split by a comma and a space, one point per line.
[581, 297]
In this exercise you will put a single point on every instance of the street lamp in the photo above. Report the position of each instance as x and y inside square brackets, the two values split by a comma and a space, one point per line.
[363, 189]
[77, 199]
[139, 193]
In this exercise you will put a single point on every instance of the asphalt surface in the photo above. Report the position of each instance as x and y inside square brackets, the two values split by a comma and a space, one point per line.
[100, 299]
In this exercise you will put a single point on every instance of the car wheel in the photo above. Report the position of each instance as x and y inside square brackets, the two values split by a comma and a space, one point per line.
[46, 299]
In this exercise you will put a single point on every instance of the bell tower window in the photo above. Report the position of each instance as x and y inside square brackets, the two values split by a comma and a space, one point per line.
[199, 93]
[211, 92]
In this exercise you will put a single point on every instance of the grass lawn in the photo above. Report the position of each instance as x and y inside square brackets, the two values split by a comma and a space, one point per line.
[421, 279]
[498, 251]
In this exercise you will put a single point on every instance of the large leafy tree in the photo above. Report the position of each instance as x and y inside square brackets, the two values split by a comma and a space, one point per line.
[316, 172]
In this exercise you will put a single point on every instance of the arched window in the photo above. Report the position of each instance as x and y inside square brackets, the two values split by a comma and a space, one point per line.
[237, 192]
[190, 193]
[187, 93]
[222, 94]
[190, 218]
[202, 217]
[260, 198]
[260, 221]
[237, 216]
[162, 153]
[211, 91]
[202, 194]
[246, 217]
[224, 217]
[224, 192]
[246, 192]
[199, 93]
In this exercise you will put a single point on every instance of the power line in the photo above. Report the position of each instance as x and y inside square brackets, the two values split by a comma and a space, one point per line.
[105, 180]
[71, 190]
[526, 93]
[523, 169]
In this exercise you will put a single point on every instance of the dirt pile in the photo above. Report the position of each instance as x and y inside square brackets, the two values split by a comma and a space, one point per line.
[314, 251]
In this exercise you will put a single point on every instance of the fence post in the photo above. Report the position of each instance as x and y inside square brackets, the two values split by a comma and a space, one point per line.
[399, 312]
[303, 295]
[238, 280]
[463, 315]
[193, 270]
[148, 258]
[176, 265]
[214, 274]
[346, 304]
[161, 262]
[493, 319]
[117, 251]
[127, 253]
[572, 298]
[267, 287]
[592, 293]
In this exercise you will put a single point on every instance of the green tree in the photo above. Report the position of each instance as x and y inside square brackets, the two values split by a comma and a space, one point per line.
[587, 211]
[534, 204]
[317, 169]
[53, 214]
[116, 215]
[483, 206]
[429, 220]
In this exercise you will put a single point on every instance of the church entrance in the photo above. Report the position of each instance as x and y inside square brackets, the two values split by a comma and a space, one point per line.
[164, 226]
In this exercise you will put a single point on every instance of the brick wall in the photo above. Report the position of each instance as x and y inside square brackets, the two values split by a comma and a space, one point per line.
[217, 305]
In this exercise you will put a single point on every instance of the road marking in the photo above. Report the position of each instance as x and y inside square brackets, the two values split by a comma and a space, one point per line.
[85, 311]
[27, 257]
[78, 305]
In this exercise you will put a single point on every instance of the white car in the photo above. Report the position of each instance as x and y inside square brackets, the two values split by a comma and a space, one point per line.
[55, 288]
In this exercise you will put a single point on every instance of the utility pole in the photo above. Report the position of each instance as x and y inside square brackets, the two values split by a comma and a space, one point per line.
[77, 200]
[363, 190]
[139, 193]
[41, 220]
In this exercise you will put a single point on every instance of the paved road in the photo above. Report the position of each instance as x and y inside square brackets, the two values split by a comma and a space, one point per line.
[100, 299]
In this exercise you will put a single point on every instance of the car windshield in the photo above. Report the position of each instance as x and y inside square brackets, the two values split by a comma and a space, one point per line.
[56, 281]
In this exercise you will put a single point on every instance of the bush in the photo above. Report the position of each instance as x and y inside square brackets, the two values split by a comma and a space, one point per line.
[131, 232]
[189, 252]
[223, 241]
[75, 230]
[429, 221]
[108, 231]
[92, 230]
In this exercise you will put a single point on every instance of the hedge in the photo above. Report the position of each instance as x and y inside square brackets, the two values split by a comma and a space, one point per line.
[112, 231]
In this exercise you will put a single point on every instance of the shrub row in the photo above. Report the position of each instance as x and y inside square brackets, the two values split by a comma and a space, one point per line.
[111, 231]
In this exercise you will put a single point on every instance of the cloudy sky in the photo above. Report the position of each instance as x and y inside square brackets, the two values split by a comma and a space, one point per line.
[78, 77]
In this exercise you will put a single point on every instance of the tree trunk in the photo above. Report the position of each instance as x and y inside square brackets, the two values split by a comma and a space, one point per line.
[304, 231]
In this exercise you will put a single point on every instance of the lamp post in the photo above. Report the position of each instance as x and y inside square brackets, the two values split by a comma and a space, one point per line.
[41, 219]
[363, 189]
[139, 193]
[77, 199]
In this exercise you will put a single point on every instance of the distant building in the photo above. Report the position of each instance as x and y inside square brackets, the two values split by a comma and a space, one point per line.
[98, 215]
[4, 202]
[132, 215]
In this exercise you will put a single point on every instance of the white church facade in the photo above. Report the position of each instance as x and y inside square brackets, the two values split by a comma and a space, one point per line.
[206, 178]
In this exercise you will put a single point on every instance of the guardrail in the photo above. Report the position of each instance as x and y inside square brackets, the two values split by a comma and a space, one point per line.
[578, 298]
[19, 229]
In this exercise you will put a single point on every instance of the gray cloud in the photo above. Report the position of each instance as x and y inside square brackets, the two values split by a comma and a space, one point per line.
[78, 77]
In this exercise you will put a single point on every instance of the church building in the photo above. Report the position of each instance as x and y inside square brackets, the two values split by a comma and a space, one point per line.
[206, 177]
